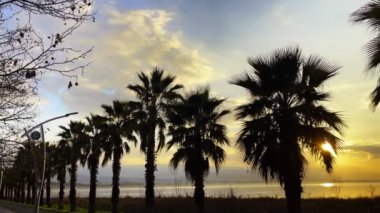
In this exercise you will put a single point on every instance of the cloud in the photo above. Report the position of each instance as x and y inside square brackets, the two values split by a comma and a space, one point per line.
[125, 43]
[139, 40]
[372, 151]
[282, 15]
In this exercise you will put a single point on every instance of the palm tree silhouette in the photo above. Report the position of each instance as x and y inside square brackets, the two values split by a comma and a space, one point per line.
[22, 169]
[196, 130]
[96, 126]
[153, 94]
[118, 125]
[50, 171]
[369, 14]
[61, 158]
[76, 138]
[283, 116]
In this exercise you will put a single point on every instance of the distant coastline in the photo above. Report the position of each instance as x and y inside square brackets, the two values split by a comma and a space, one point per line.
[318, 189]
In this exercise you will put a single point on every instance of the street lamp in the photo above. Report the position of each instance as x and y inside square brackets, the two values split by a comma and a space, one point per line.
[35, 135]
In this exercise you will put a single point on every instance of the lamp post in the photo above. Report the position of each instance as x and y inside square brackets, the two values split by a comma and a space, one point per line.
[34, 135]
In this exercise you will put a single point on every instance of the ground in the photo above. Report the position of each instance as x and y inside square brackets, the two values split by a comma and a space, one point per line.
[218, 205]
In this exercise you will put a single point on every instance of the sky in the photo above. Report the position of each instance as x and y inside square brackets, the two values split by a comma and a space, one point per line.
[207, 43]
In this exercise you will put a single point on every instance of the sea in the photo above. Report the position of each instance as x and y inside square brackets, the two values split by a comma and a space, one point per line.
[342, 189]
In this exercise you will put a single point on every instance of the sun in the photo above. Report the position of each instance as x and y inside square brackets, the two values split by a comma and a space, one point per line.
[327, 147]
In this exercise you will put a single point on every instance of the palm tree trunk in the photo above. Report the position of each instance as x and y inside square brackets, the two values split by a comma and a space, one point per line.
[5, 188]
[9, 193]
[199, 193]
[36, 174]
[73, 179]
[42, 194]
[23, 190]
[12, 194]
[150, 168]
[28, 190]
[292, 166]
[2, 192]
[48, 179]
[17, 191]
[115, 179]
[3, 195]
[293, 190]
[6, 192]
[34, 189]
[61, 177]
[94, 162]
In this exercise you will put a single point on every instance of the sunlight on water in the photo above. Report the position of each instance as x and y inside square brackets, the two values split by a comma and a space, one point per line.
[244, 190]
[327, 185]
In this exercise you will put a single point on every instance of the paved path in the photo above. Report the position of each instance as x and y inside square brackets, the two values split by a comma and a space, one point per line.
[4, 210]
[11, 207]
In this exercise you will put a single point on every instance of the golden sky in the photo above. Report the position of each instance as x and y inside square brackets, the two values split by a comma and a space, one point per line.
[208, 43]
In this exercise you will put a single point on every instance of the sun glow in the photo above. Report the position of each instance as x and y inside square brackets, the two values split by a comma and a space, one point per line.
[327, 185]
[327, 147]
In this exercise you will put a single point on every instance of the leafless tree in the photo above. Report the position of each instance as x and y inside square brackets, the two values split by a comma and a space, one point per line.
[26, 53]
[25, 50]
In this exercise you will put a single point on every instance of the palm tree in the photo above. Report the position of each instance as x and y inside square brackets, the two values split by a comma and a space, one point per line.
[369, 14]
[118, 126]
[195, 128]
[61, 158]
[284, 115]
[153, 94]
[95, 127]
[76, 138]
[50, 171]
[23, 169]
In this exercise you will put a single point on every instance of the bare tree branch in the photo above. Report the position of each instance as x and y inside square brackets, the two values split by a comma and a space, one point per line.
[26, 54]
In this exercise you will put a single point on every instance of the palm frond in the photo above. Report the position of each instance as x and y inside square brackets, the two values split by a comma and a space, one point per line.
[375, 96]
[284, 114]
[155, 95]
[369, 13]
[215, 152]
[320, 116]
[249, 83]
[138, 90]
[253, 109]
[372, 50]
[145, 80]
[108, 109]
[316, 71]
[195, 129]
[178, 156]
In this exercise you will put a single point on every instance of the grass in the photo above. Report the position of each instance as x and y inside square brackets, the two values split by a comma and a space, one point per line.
[54, 208]
[229, 205]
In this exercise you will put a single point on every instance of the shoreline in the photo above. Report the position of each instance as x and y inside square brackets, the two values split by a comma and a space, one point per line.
[246, 190]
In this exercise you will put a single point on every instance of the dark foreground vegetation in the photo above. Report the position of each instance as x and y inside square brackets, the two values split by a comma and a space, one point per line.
[232, 205]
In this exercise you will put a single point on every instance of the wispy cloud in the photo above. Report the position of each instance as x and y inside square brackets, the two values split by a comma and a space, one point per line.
[282, 15]
[373, 151]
